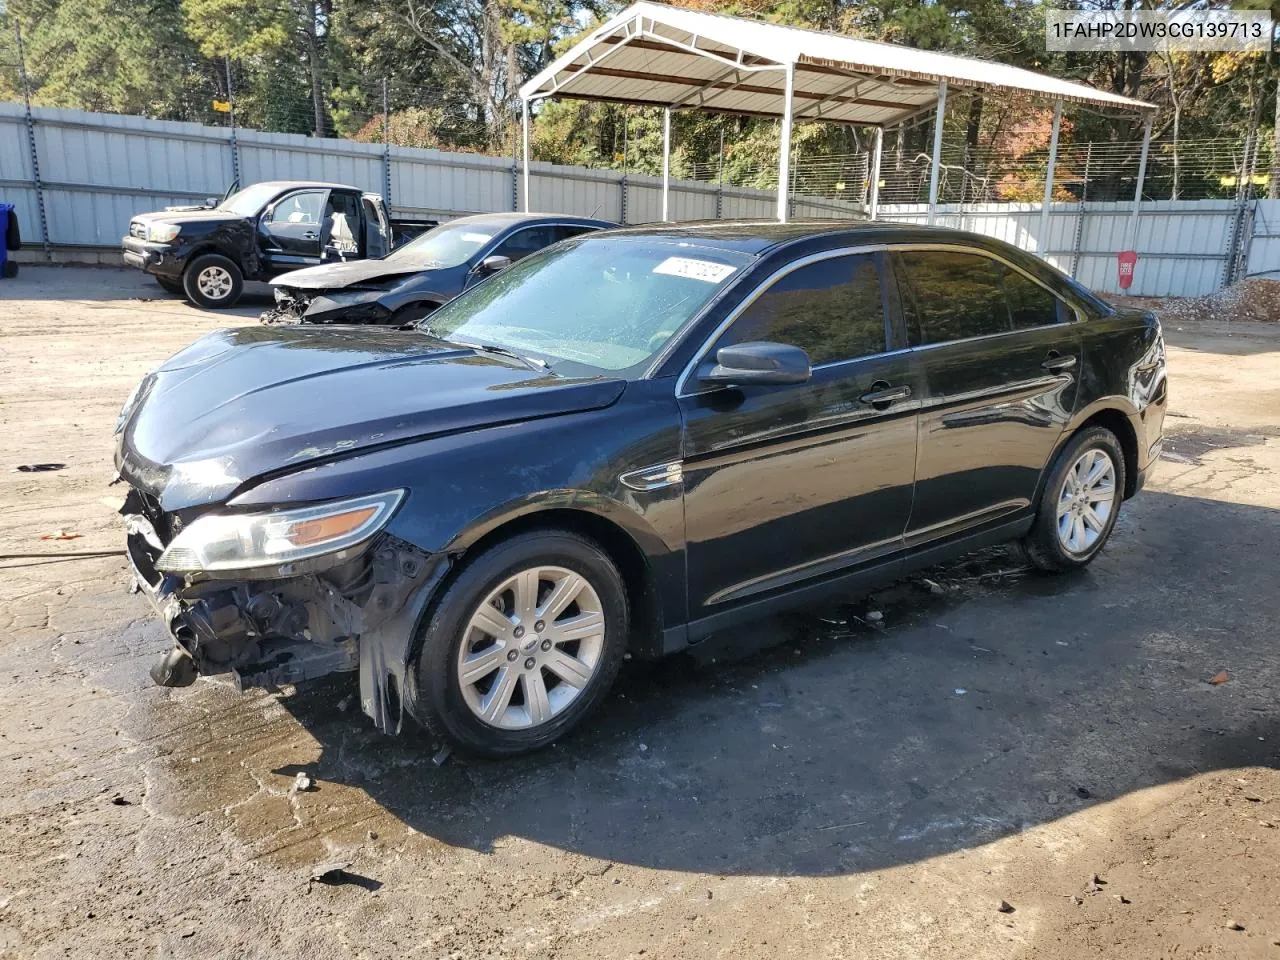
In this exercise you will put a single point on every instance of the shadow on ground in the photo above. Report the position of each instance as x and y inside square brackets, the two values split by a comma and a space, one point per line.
[1003, 702]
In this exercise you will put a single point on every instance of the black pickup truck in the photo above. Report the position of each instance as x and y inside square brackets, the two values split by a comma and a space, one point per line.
[207, 252]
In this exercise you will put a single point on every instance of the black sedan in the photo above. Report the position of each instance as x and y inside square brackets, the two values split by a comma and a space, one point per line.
[417, 278]
[623, 443]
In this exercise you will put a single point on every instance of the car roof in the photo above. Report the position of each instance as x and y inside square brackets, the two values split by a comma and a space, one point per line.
[759, 238]
[294, 184]
[510, 218]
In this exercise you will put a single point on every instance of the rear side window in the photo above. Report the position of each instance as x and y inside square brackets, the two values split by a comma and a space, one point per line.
[952, 295]
[832, 309]
[1030, 305]
[565, 230]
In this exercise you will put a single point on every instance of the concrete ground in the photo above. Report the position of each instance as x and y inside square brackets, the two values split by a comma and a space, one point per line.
[850, 790]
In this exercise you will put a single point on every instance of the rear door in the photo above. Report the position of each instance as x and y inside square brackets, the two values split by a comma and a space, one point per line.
[1000, 354]
[291, 229]
[792, 483]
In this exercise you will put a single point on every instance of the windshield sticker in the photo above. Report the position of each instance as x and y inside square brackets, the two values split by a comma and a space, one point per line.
[475, 237]
[706, 270]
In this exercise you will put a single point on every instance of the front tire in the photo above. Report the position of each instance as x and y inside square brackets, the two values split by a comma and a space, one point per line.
[170, 286]
[1080, 502]
[212, 281]
[522, 645]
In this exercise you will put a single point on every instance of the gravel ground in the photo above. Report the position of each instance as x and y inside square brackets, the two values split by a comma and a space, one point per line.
[857, 787]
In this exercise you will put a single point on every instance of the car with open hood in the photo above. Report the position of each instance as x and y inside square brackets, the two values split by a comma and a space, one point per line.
[417, 278]
[621, 444]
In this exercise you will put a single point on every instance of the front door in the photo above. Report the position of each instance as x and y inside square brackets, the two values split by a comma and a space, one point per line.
[292, 230]
[789, 484]
[1000, 355]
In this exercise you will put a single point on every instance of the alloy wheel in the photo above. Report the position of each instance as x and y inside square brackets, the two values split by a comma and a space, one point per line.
[531, 647]
[214, 282]
[1086, 500]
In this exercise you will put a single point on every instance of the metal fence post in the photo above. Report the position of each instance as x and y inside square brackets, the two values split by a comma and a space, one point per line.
[720, 178]
[31, 145]
[235, 145]
[1084, 194]
[386, 145]
[622, 189]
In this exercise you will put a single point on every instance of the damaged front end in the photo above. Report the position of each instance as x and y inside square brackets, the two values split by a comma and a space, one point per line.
[318, 590]
[354, 306]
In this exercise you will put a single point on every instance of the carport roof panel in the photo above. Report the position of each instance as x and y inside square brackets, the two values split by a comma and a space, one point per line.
[665, 56]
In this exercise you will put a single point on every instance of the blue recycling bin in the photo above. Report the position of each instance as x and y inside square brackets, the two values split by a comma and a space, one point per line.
[9, 239]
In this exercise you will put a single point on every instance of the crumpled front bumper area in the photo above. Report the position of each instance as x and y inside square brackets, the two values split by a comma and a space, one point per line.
[275, 631]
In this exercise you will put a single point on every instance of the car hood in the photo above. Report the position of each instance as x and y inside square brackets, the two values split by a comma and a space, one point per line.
[335, 276]
[241, 403]
[188, 216]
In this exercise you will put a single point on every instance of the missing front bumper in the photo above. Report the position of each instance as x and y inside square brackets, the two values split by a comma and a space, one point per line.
[266, 634]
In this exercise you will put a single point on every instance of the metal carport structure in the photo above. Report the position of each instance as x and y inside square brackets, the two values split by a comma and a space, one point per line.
[660, 56]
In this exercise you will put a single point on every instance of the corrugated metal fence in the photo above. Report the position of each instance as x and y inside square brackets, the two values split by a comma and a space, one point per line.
[98, 170]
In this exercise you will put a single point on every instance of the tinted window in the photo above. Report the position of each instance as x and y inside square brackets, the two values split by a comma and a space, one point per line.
[831, 309]
[955, 296]
[1030, 305]
[524, 242]
[566, 231]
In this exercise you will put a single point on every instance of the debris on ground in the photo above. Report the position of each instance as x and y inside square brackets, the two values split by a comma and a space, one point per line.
[39, 467]
[1253, 299]
[331, 872]
[1219, 678]
[1083, 793]
[961, 691]
[1235, 925]
[875, 616]
[345, 703]
[302, 783]
[120, 801]
[442, 756]
[1005, 907]
[60, 534]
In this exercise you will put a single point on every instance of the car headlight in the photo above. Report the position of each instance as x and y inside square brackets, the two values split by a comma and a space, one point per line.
[162, 232]
[245, 541]
[129, 403]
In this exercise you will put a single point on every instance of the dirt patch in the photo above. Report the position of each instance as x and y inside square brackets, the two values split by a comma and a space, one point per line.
[1190, 444]
[1254, 300]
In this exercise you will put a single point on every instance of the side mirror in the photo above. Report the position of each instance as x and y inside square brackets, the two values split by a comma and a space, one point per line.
[757, 362]
[211, 202]
[492, 265]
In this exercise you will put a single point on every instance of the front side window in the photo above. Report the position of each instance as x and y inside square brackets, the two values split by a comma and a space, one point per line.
[595, 303]
[305, 207]
[524, 242]
[952, 295]
[831, 309]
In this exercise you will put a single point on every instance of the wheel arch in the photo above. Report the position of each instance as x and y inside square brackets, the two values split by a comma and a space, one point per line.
[604, 524]
[1114, 414]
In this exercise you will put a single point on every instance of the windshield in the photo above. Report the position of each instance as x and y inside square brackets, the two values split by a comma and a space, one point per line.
[448, 245]
[604, 302]
[250, 201]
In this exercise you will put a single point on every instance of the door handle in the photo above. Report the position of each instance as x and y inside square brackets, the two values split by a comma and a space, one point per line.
[881, 394]
[1055, 362]
[309, 235]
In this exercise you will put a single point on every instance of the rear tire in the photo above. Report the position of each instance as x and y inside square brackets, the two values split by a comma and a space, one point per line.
[1079, 504]
[522, 645]
[212, 281]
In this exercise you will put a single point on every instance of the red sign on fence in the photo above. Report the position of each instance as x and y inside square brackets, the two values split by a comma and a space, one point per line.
[1126, 260]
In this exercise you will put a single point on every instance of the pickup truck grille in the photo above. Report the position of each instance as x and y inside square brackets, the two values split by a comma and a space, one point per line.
[138, 230]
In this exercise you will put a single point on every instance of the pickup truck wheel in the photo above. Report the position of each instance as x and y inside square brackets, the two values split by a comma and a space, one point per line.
[522, 645]
[1080, 502]
[170, 286]
[212, 281]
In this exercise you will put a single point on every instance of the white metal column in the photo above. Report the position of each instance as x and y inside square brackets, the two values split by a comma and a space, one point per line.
[936, 166]
[784, 147]
[1131, 233]
[1042, 242]
[873, 200]
[666, 163]
[524, 134]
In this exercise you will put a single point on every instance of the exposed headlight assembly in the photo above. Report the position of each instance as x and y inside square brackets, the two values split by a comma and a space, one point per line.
[162, 232]
[248, 541]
